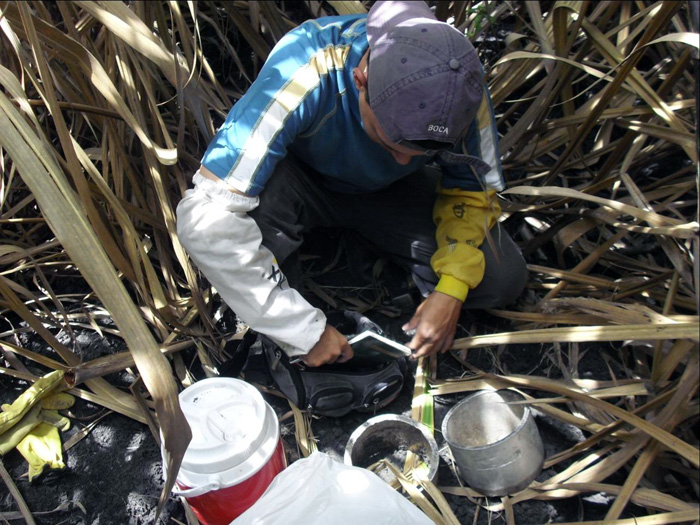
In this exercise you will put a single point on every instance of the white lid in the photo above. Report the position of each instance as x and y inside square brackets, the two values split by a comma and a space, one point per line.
[227, 417]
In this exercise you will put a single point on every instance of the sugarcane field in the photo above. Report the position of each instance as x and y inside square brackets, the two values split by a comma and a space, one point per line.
[333, 262]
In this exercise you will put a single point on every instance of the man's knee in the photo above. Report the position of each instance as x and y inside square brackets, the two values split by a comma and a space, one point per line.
[505, 276]
[509, 283]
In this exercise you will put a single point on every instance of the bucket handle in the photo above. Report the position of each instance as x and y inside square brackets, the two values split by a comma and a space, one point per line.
[196, 491]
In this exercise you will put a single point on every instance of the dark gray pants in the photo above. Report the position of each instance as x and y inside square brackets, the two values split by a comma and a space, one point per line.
[396, 222]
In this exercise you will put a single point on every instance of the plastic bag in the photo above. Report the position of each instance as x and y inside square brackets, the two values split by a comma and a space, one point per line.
[319, 490]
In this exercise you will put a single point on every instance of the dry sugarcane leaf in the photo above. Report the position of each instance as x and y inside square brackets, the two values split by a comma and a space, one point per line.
[542, 319]
[543, 404]
[466, 385]
[78, 55]
[625, 72]
[256, 42]
[136, 389]
[154, 169]
[320, 292]
[612, 113]
[645, 459]
[84, 432]
[66, 505]
[509, 76]
[12, 488]
[611, 463]
[508, 509]
[663, 518]
[45, 313]
[522, 55]
[462, 491]
[573, 277]
[274, 21]
[10, 258]
[49, 95]
[416, 496]
[559, 78]
[632, 154]
[572, 470]
[99, 386]
[642, 496]
[231, 52]
[442, 504]
[538, 23]
[619, 313]
[62, 211]
[33, 356]
[632, 481]
[529, 120]
[587, 263]
[690, 39]
[682, 138]
[568, 234]
[532, 153]
[683, 231]
[635, 79]
[652, 218]
[111, 363]
[123, 22]
[302, 431]
[673, 358]
[669, 245]
[562, 44]
[11, 359]
[580, 334]
[108, 403]
[658, 349]
[135, 248]
[348, 7]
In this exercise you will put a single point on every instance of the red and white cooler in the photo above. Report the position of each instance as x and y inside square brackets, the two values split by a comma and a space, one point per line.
[235, 450]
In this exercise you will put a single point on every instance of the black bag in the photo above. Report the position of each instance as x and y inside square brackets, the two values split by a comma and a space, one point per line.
[328, 390]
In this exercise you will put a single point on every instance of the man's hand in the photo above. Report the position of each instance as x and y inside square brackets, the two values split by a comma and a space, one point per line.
[435, 322]
[332, 347]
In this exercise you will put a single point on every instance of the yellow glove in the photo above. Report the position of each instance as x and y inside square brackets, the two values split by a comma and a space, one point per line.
[39, 413]
[42, 447]
[31, 424]
[11, 438]
[52, 417]
[13, 413]
[58, 401]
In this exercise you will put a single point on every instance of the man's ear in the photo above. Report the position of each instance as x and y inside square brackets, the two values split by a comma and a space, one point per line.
[360, 78]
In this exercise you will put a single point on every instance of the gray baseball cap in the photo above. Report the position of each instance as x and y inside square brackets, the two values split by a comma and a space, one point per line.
[425, 80]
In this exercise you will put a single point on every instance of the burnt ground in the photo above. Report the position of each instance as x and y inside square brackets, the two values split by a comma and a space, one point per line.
[114, 474]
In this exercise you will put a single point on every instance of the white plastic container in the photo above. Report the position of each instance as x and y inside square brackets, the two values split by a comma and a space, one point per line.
[235, 450]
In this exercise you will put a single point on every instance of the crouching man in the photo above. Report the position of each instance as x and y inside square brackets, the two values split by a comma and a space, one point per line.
[338, 131]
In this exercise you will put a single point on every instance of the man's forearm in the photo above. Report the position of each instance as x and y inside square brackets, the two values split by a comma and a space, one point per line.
[225, 244]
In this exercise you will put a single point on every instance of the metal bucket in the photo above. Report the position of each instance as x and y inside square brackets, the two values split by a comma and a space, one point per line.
[494, 441]
[389, 437]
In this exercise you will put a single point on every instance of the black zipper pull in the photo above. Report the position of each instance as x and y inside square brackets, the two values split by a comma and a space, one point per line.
[276, 360]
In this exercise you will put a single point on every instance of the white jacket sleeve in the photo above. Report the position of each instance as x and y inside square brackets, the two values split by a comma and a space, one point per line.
[225, 243]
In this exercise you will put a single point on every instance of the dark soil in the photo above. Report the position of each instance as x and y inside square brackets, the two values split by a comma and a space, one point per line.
[114, 475]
